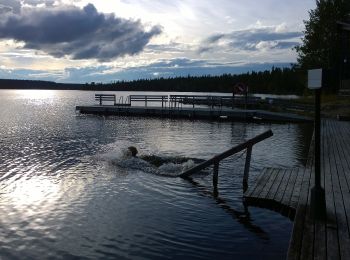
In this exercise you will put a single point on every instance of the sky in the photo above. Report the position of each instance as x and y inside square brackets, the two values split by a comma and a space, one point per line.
[81, 41]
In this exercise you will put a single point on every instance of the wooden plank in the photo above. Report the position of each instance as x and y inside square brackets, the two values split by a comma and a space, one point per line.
[297, 187]
[307, 247]
[269, 184]
[332, 244]
[338, 181]
[274, 189]
[258, 183]
[282, 188]
[294, 249]
[290, 186]
[320, 251]
[289, 190]
[344, 133]
[261, 186]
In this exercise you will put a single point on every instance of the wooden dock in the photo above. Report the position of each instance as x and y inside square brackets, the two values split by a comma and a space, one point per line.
[209, 113]
[184, 106]
[288, 191]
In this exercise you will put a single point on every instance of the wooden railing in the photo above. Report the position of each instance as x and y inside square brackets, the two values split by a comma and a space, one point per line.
[105, 97]
[149, 98]
[216, 159]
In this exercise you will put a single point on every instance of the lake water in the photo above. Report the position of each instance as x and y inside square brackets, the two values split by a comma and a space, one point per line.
[68, 192]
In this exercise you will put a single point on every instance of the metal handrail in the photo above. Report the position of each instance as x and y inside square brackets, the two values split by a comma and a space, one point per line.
[216, 159]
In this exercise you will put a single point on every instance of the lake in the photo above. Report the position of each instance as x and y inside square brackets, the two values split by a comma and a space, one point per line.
[68, 191]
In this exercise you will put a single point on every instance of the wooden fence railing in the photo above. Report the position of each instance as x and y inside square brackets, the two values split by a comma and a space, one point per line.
[216, 159]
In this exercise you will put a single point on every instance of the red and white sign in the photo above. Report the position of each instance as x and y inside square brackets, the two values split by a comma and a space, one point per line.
[240, 88]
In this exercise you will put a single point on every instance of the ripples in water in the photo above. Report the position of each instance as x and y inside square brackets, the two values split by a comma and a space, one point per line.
[66, 191]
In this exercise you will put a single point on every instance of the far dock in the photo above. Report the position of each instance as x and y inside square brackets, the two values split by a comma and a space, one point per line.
[185, 106]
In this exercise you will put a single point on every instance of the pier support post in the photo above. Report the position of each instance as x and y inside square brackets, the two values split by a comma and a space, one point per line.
[246, 168]
[318, 202]
[216, 174]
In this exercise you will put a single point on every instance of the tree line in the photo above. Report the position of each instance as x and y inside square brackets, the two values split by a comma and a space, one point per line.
[275, 81]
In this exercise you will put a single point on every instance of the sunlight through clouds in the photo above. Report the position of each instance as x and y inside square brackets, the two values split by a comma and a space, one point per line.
[122, 35]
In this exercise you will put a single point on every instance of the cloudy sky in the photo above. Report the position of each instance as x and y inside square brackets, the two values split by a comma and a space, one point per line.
[107, 40]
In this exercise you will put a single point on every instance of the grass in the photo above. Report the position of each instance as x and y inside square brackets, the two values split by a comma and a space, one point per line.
[331, 105]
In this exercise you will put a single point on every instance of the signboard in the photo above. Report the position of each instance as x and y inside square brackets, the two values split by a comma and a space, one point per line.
[240, 88]
[314, 79]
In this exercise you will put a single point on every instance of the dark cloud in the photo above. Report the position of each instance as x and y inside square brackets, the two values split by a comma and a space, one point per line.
[78, 33]
[250, 39]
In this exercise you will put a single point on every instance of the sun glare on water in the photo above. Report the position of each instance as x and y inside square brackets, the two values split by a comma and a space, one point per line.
[35, 94]
[33, 192]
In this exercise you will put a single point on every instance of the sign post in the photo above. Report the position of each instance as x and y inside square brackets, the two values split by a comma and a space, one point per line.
[318, 204]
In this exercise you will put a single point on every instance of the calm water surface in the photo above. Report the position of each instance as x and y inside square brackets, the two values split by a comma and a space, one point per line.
[66, 191]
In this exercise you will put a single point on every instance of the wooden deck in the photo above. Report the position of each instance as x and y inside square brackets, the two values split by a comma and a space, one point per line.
[288, 191]
[222, 114]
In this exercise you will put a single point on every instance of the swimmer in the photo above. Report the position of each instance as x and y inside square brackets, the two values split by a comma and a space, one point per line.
[158, 161]
[133, 151]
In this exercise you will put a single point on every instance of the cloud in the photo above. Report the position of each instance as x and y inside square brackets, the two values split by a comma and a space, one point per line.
[163, 68]
[7, 6]
[252, 39]
[76, 33]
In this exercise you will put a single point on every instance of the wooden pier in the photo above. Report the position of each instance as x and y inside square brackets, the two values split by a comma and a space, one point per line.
[288, 191]
[174, 106]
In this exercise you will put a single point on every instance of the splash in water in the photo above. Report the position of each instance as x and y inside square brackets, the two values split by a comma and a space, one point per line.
[155, 164]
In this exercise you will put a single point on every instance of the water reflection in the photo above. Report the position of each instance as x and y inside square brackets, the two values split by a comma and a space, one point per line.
[32, 192]
[59, 200]
[34, 94]
[242, 217]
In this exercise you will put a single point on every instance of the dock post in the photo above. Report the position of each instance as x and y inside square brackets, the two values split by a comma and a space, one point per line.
[318, 201]
[246, 168]
[216, 174]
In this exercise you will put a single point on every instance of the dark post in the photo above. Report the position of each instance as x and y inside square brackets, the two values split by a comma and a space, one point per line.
[233, 99]
[318, 203]
[216, 174]
[246, 168]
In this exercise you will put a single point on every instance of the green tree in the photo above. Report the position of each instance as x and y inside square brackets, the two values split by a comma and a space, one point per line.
[320, 44]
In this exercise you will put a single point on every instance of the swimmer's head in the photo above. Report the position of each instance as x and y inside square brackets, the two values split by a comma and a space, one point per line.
[133, 150]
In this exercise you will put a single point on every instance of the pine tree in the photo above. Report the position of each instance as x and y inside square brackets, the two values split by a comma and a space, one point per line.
[320, 45]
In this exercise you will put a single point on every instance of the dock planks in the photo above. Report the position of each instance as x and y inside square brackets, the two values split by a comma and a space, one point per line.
[208, 113]
[288, 191]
